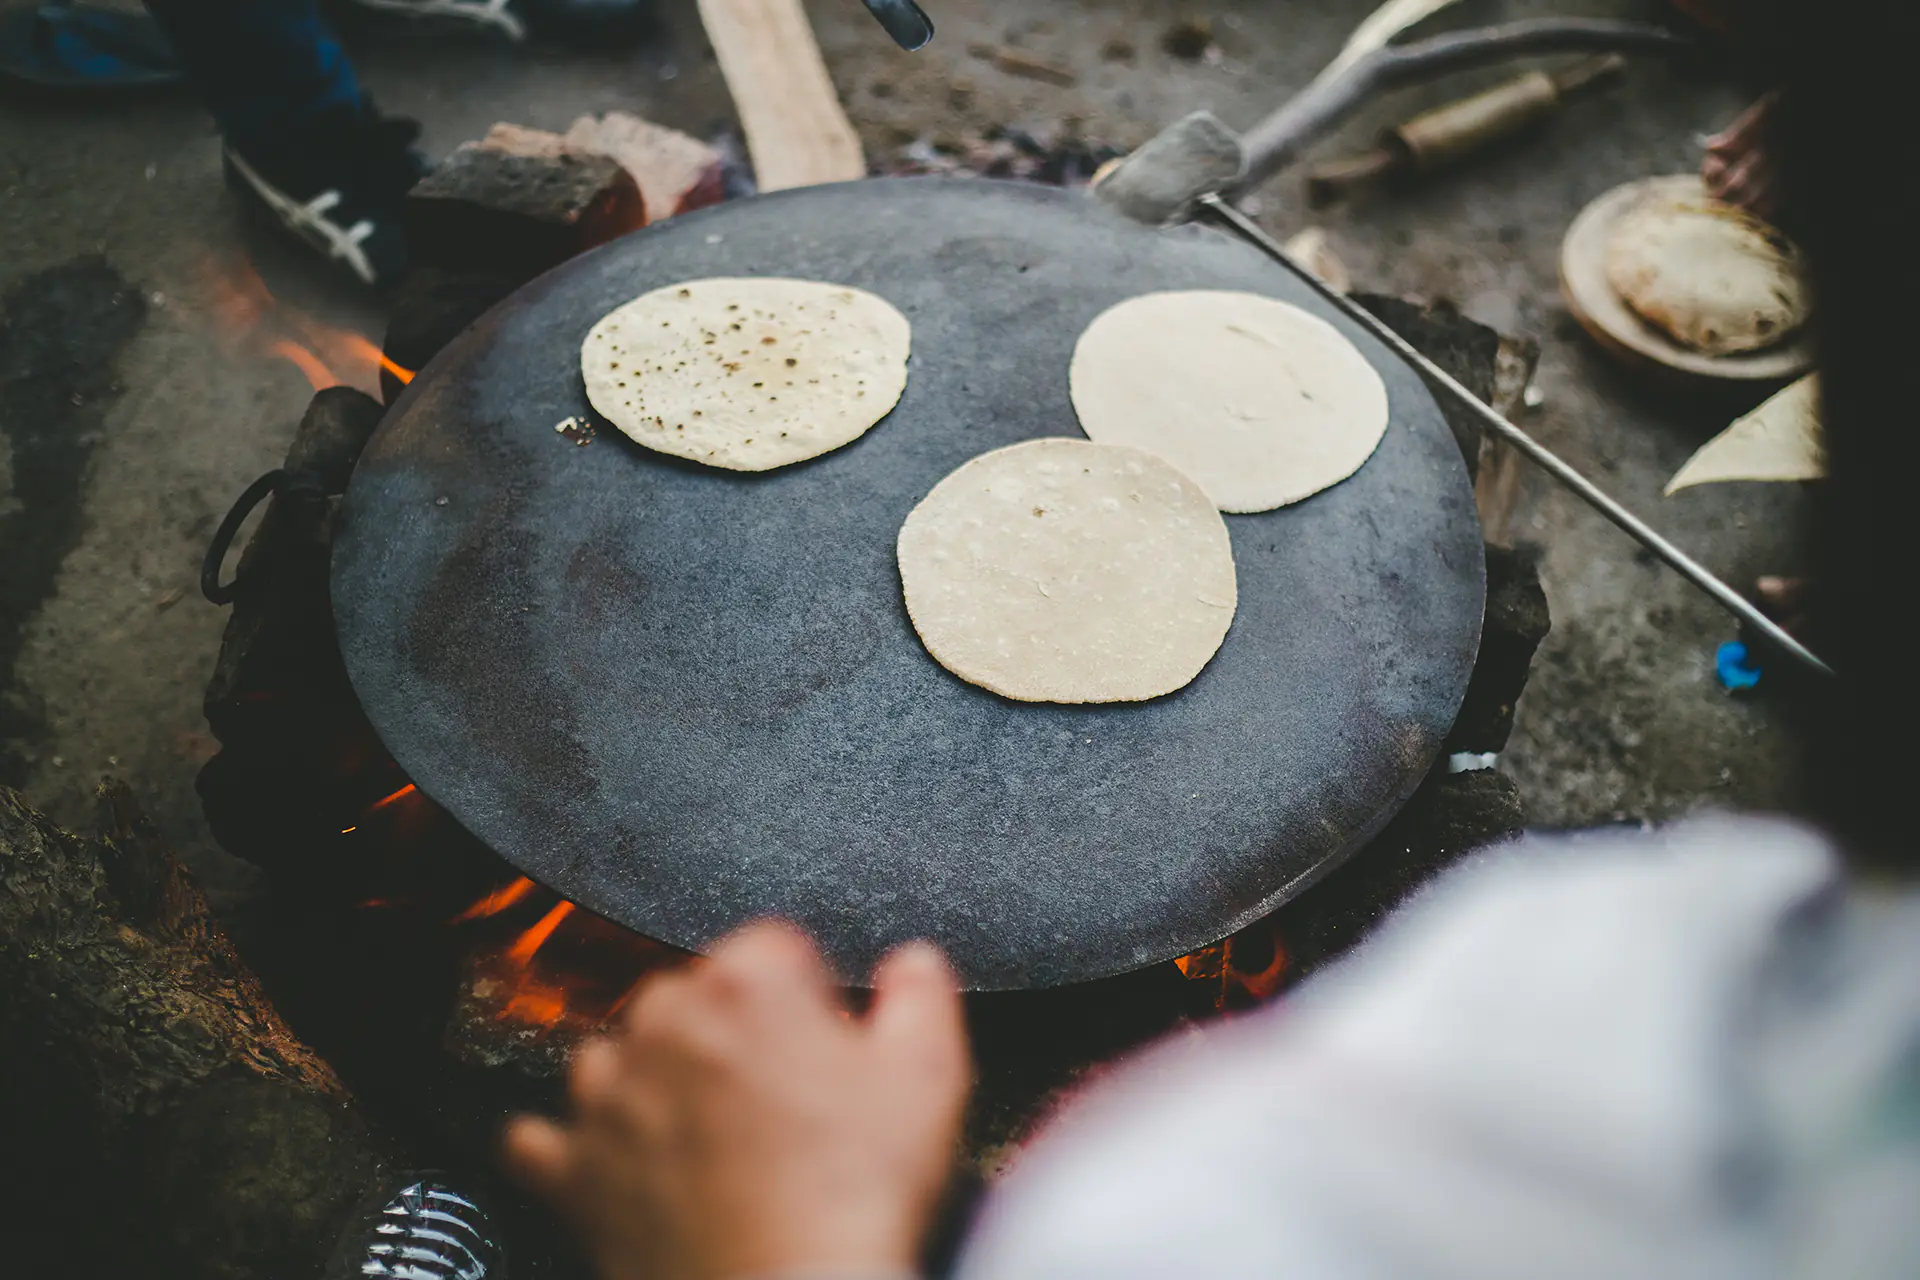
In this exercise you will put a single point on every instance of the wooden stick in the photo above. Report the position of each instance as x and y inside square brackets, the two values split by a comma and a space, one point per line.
[1278, 140]
[796, 130]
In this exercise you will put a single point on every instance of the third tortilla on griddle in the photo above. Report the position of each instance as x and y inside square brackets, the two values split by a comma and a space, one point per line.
[1058, 570]
[1260, 402]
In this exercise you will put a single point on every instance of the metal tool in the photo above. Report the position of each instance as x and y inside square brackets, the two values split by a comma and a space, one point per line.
[904, 20]
[1689, 568]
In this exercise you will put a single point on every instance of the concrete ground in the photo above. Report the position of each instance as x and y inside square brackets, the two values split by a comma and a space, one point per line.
[107, 496]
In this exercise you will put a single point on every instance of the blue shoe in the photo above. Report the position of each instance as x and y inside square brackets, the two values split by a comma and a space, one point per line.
[80, 50]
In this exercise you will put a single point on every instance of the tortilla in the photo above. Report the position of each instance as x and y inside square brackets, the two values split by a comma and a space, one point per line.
[1260, 402]
[747, 374]
[1712, 277]
[1780, 440]
[1062, 571]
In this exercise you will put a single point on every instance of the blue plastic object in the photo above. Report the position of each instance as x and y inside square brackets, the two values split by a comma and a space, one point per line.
[83, 49]
[1736, 667]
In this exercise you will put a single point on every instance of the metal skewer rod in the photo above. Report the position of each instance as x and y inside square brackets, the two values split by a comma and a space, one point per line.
[1637, 529]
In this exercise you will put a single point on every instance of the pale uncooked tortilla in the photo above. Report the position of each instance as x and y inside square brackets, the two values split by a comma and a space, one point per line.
[1711, 276]
[1260, 402]
[1064, 571]
[747, 374]
[1781, 440]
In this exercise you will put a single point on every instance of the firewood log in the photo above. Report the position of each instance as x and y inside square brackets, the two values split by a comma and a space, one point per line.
[160, 1118]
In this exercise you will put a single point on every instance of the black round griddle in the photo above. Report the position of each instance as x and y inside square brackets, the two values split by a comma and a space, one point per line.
[686, 697]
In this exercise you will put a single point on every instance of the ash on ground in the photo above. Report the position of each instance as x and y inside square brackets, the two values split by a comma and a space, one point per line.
[1004, 152]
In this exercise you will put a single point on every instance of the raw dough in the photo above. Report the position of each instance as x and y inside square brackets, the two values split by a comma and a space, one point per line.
[1063, 571]
[748, 374]
[1260, 402]
[1713, 277]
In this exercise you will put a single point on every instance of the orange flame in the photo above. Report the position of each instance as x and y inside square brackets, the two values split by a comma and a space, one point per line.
[365, 350]
[249, 317]
[570, 970]
[535, 1001]
[1219, 965]
[1203, 964]
[539, 1004]
[386, 800]
[497, 901]
[1266, 983]
[308, 363]
[529, 943]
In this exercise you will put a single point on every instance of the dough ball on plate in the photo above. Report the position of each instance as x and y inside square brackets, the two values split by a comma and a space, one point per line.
[1260, 402]
[747, 374]
[1712, 277]
[1063, 571]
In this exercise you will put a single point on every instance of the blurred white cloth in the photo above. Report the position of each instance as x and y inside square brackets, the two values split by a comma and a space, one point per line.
[1690, 1053]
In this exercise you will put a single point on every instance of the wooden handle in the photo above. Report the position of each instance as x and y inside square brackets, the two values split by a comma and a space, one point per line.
[1437, 138]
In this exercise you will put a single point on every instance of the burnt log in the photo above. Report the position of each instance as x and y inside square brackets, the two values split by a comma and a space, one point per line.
[1496, 368]
[486, 208]
[677, 173]
[1517, 621]
[1478, 357]
[162, 1119]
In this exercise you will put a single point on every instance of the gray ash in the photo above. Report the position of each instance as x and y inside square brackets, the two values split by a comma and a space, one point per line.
[1004, 152]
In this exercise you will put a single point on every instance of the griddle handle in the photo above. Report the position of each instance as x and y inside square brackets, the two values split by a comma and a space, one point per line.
[278, 482]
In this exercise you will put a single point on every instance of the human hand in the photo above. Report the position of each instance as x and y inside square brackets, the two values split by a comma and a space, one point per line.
[1740, 166]
[741, 1123]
